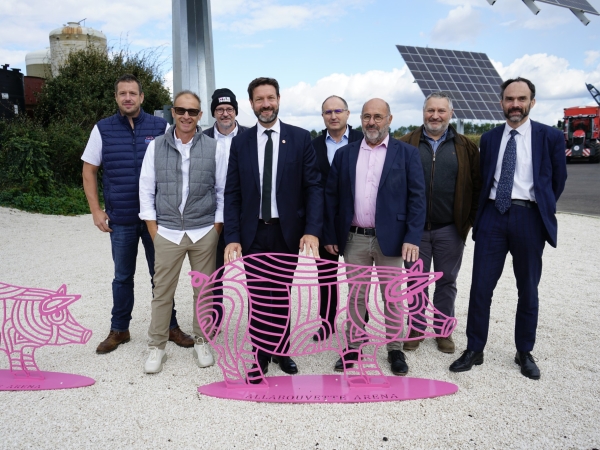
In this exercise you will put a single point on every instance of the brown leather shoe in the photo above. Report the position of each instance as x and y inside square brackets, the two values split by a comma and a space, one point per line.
[414, 343]
[445, 345]
[180, 338]
[114, 339]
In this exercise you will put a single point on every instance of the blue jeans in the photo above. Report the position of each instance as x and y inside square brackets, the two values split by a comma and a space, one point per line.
[124, 241]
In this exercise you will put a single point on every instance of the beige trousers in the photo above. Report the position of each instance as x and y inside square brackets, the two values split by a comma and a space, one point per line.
[364, 251]
[168, 260]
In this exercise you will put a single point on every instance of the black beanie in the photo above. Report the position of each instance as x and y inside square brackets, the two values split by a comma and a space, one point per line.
[221, 97]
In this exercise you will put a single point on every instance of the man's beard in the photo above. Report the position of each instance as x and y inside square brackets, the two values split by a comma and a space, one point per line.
[516, 119]
[267, 119]
[374, 136]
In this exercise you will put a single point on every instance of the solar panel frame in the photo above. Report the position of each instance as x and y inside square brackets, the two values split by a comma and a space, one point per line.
[468, 77]
[581, 5]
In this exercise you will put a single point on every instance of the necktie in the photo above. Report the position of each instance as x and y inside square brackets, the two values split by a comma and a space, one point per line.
[267, 178]
[507, 175]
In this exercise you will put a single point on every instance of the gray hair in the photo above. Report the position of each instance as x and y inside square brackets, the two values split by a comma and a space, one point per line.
[335, 96]
[187, 92]
[439, 94]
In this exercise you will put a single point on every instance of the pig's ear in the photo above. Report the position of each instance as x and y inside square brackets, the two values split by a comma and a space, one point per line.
[57, 302]
[417, 267]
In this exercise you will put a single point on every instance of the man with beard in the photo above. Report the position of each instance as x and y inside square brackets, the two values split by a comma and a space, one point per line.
[375, 214]
[523, 169]
[451, 170]
[273, 204]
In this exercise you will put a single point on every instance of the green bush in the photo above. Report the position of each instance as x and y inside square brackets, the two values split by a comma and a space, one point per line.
[65, 201]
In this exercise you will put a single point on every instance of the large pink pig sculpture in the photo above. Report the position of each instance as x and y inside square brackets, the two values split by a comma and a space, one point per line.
[403, 291]
[31, 318]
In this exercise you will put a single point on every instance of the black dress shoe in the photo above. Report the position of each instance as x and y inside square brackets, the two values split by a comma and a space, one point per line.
[254, 373]
[321, 335]
[467, 360]
[351, 356]
[286, 364]
[528, 366]
[397, 361]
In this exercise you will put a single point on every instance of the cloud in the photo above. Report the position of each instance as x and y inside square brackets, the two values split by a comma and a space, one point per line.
[591, 57]
[461, 24]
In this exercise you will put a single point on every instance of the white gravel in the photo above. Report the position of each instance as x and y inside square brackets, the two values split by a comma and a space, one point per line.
[495, 407]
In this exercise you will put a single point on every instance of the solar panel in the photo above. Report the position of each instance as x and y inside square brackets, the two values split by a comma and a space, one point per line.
[582, 5]
[468, 77]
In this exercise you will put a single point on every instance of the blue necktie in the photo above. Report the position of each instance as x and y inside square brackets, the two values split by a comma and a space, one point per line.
[507, 175]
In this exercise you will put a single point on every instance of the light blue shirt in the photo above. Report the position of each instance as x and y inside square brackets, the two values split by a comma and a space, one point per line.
[333, 146]
[435, 144]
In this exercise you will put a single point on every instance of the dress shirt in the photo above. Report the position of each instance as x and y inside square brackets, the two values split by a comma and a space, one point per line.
[148, 190]
[523, 180]
[435, 144]
[226, 138]
[368, 174]
[262, 142]
[333, 146]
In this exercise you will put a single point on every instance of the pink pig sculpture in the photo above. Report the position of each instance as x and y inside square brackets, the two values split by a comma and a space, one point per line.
[31, 318]
[402, 289]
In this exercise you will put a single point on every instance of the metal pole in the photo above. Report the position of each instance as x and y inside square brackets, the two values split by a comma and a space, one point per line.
[460, 126]
[193, 57]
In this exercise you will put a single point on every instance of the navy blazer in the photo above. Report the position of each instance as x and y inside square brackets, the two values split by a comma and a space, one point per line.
[400, 208]
[549, 171]
[321, 149]
[298, 192]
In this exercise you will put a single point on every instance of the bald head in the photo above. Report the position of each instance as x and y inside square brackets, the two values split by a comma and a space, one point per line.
[376, 118]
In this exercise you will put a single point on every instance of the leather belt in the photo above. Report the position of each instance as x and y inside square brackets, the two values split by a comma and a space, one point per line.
[273, 221]
[524, 203]
[364, 231]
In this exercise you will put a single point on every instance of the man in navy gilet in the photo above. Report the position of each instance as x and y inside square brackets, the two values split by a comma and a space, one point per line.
[119, 143]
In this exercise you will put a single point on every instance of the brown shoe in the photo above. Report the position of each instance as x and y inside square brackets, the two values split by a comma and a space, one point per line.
[180, 338]
[114, 339]
[445, 345]
[414, 343]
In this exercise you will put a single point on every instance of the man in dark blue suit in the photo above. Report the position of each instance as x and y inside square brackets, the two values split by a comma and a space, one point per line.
[523, 172]
[375, 214]
[273, 204]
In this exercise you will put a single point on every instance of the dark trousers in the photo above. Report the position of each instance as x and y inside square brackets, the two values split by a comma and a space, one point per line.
[444, 247]
[328, 298]
[220, 262]
[124, 240]
[269, 318]
[521, 232]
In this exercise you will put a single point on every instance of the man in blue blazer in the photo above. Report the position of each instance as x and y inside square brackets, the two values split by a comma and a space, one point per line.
[375, 213]
[273, 204]
[523, 172]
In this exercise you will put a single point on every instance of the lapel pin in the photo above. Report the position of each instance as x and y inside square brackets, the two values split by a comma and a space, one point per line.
[283, 142]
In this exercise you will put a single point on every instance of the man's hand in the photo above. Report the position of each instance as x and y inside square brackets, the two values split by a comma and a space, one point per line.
[410, 253]
[219, 227]
[309, 243]
[152, 226]
[232, 251]
[101, 220]
[333, 249]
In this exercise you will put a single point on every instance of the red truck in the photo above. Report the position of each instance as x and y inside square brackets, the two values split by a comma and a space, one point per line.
[582, 133]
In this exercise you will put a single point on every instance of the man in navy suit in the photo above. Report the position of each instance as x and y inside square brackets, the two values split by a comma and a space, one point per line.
[375, 214]
[337, 134]
[273, 204]
[523, 172]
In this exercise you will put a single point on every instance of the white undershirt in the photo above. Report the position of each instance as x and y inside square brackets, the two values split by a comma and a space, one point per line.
[262, 142]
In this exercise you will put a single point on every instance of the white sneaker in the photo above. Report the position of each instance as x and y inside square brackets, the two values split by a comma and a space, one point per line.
[155, 361]
[202, 354]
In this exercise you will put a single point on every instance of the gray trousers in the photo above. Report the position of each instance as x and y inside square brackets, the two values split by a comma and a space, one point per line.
[444, 247]
[364, 251]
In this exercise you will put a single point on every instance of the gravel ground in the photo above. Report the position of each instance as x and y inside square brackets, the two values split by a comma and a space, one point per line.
[495, 407]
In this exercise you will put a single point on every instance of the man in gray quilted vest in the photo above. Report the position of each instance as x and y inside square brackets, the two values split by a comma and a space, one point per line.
[181, 199]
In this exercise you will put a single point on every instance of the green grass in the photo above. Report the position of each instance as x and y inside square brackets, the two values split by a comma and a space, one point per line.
[65, 201]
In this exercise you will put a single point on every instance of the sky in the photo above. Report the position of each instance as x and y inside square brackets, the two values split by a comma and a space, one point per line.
[316, 48]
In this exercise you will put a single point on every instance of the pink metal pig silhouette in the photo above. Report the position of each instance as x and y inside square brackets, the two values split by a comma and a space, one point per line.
[31, 318]
[295, 284]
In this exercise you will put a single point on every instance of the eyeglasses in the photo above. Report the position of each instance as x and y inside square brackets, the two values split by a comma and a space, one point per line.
[222, 111]
[378, 118]
[181, 111]
[331, 111]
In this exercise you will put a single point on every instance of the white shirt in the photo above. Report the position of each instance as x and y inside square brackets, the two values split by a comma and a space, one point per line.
[148, 190]
[226, 138]
[93, 150]
[262, 142]
[523, 180]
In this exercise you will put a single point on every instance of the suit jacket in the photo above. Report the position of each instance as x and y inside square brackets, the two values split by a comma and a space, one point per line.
[400, 208]
[298, 192]
[549, 172]
[321, 151]
[210, 131]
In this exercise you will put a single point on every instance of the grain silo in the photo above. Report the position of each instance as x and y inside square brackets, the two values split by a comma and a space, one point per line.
[72, 37]
[38, 63]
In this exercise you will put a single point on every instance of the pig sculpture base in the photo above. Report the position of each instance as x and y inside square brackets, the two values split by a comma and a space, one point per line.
[331, 389]
[50, 380]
